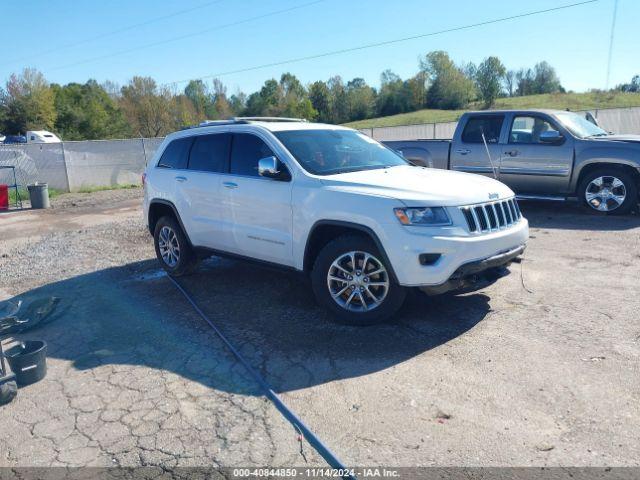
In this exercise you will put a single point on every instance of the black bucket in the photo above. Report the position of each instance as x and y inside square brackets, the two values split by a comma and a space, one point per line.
[28, 361]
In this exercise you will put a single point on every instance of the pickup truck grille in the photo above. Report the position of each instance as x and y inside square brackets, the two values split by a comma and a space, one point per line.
[492, 216]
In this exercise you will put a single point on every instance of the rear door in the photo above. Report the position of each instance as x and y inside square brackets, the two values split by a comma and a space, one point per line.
[208, 158]
[257, 209]
[468, 151]
[171, 174]
[530, 166]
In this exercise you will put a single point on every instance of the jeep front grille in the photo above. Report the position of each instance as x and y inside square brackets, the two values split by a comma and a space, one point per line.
[491, 216]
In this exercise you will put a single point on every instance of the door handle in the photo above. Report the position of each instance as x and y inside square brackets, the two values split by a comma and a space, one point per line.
[512, 153]
[463, 151]
[180, 178]
[230, 184]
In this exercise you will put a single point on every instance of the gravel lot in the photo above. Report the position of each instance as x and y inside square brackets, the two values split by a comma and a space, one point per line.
[547, 375]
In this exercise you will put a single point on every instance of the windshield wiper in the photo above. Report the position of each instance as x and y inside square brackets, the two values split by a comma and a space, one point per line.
[603, 134]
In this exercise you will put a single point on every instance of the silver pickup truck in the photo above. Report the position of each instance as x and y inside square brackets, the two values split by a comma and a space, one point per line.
[540, 154]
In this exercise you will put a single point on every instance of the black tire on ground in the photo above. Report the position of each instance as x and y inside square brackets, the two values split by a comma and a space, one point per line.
[630, 188]
[331, 252]
[8, 392]
[186, 259]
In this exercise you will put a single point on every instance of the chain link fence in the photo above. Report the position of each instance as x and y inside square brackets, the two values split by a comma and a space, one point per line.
[72, 166]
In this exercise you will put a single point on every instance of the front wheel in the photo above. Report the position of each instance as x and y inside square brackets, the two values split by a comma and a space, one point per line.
[352, 280]
[609, 191]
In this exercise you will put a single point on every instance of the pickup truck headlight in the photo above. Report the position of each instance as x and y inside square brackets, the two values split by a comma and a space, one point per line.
[423, 216]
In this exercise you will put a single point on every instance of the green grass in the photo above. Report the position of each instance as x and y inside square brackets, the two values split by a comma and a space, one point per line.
[24, 194]
[560, 101]
[123, 186]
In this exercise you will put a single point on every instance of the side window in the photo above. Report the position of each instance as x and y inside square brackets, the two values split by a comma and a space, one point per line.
[246, 150]
[176, 154]
[210, 153]
[490, 125]
[528, 129]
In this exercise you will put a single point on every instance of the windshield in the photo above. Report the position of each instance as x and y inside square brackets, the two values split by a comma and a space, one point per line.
[580, 126]
[327, 152]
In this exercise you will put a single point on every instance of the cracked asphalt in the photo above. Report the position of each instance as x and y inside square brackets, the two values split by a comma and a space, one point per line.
[546, 375]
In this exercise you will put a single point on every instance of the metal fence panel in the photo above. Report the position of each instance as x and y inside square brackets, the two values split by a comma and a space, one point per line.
[404, 132]
[43, 162]
[445, 131]
[620, 120]
[104, 162]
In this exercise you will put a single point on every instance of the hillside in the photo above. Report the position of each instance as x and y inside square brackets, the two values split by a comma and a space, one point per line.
[562, 101]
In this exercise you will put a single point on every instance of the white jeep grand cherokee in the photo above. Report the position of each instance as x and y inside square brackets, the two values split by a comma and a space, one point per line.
[332, 202]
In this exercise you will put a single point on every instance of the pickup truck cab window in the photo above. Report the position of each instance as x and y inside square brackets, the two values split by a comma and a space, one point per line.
[176, 154]
[527, 129]
[210, 153]
[246, 150]
[490, 125]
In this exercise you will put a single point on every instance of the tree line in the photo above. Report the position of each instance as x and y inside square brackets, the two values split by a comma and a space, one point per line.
[142, 107]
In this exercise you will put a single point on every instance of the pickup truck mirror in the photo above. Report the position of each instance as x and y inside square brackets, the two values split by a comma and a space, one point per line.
[269, 167]
[551, 136]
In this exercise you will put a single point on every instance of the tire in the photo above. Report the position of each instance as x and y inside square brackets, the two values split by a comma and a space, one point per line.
[610, 185]
[8, 392]
[330, 276]
[172, 248]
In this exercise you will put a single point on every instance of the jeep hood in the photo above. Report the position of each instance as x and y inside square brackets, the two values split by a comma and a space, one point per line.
[420, 186]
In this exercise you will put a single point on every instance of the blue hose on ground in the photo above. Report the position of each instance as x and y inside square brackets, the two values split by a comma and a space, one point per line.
[298, 424]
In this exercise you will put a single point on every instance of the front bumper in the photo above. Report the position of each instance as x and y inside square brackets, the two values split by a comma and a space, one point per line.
[476, 275]
[456, 247]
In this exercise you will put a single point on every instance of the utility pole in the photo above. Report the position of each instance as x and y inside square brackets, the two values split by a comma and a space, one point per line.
[613, 29]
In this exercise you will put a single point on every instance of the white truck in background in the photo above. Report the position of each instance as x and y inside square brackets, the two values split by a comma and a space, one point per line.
[42, 136]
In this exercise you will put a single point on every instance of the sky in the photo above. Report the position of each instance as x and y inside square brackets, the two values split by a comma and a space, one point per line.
[176, 40]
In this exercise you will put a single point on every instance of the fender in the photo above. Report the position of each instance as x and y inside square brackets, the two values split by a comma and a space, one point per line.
[160, 201]
[606, 154]
[354, 226]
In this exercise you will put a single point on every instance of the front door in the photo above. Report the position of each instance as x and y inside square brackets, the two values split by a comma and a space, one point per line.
[257, 209]
[531, 166]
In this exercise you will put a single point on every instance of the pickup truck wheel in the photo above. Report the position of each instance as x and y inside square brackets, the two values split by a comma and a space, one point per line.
[172, 248]
[609, 191]
[351, 279]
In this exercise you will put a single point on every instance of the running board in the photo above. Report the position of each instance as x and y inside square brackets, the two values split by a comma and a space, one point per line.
[541, 197]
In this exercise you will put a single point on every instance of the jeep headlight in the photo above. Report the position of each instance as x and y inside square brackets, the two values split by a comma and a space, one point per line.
[423, 216]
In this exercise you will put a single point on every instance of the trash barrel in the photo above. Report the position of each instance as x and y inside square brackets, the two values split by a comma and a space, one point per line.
[28, 361]
[4, 197]
[39, 195]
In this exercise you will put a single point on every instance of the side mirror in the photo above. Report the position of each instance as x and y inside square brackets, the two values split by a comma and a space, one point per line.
[269, 167]
[551, 136]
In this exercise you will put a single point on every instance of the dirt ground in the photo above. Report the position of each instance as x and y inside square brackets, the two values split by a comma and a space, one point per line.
[541, 368]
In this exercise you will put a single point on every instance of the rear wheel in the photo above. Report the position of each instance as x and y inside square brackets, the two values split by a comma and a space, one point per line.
[352, 280]
[172, 248]
[609, 191]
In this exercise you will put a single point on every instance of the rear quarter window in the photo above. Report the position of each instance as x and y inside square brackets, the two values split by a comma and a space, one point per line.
[176, 155]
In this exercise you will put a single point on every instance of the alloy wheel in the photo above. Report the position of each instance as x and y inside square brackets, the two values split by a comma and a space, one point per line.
[358, 281]
[605, 193]
[169, 246]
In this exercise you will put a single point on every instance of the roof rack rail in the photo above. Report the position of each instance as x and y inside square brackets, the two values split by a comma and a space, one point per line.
[269, 119]
[210, 123]
[243, 120]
